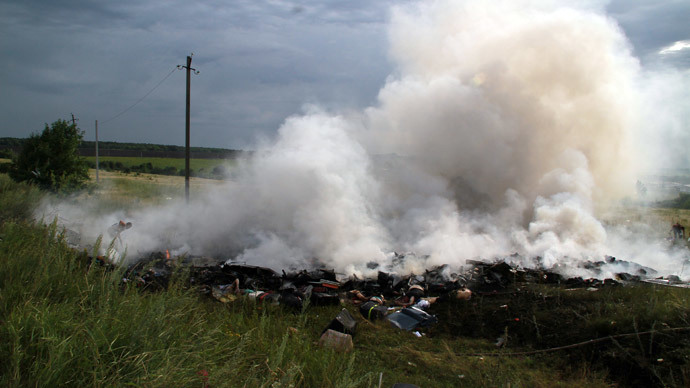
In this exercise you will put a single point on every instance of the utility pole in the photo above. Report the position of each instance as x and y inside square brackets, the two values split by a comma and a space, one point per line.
[186, 121]
[96, 151]
[73, 119]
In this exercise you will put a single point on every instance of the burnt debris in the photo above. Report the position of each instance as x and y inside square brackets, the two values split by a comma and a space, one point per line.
[322, 287]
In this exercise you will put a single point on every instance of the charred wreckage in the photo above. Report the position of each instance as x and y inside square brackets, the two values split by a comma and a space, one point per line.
[400, 299]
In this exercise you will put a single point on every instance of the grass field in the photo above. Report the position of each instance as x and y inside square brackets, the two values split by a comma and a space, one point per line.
[120, 191]
[178, 163]
[65, 323]
[658, 219]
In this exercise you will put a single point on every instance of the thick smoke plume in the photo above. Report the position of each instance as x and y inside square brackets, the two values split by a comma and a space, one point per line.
[503, 125]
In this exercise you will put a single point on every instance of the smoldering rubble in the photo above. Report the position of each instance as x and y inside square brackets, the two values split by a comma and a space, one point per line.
[400, 299]
[322, 286]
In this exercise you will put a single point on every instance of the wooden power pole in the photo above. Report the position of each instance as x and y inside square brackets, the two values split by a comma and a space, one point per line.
[96, 151]
[186, 128]
[186, 122]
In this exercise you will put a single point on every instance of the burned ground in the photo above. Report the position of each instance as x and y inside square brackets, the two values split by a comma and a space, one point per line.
[635, 333]
[613, 328]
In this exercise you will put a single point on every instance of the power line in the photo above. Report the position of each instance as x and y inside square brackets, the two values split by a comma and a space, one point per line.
[142, 98]
[600, 339]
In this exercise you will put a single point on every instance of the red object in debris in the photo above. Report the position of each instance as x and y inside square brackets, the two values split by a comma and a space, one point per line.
[204, 377]
[167, 254]
[517, 319]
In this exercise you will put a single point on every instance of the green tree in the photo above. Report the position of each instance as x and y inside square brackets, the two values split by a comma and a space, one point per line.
[51, 160]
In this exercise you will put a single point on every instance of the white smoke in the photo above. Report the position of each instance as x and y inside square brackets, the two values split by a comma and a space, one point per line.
[504, 123]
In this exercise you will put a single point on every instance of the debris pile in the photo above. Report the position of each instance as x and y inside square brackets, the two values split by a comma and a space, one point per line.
[322, 287]
[502, 308]
[338, 334]
[399, 299]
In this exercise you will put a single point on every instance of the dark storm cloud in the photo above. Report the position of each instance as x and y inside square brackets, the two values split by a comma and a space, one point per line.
[260, 62]
[652, 25]
[60, 12]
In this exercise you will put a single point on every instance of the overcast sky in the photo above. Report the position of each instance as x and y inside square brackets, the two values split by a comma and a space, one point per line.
[259, 61]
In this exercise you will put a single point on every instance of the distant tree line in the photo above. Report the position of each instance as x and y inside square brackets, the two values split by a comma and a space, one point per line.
[229, 154]
[10, 145]
[12, 142]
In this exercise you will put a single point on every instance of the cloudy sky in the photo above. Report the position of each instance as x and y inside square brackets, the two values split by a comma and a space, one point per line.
[260, 61]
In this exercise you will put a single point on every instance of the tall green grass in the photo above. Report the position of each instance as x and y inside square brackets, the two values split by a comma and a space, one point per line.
[65, 323]
[144, 191]
[17, 200]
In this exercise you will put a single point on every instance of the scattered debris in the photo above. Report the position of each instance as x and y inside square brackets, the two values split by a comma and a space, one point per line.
[464, 294]
[412, 293]
[223, 293]
[344, 322]
[672, 281]
[320, 286]
[336, 340]
[411, 318]
[372, 311]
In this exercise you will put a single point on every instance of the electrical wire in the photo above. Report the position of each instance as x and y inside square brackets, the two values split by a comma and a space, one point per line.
[611, 337]
[141, 99]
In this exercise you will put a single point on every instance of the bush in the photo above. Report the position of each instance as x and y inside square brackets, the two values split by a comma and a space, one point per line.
[51, 160]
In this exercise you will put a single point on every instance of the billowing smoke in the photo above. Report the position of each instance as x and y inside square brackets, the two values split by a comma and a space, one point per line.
[503, 125]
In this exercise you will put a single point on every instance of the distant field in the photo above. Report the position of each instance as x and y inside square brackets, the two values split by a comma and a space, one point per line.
[194, 164]
[120, 191]
[658, 219]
